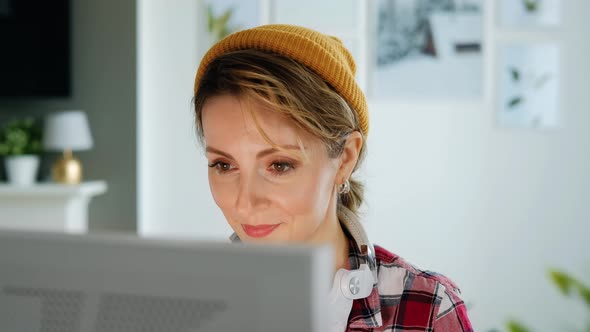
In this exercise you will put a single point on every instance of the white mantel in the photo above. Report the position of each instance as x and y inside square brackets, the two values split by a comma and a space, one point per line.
[48, 206]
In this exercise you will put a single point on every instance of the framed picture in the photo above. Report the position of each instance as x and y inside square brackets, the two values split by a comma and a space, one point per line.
[529, 86]
[428, 49]
[530, 13]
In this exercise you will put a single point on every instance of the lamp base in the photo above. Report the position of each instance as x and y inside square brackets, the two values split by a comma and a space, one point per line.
[67, 169]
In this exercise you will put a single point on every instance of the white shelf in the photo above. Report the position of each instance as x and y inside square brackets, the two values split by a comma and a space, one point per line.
[53, 189]
[48, 206]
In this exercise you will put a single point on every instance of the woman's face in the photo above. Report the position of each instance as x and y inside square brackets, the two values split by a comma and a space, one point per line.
[267, 195]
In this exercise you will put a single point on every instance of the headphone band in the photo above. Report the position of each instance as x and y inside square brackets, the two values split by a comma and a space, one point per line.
[357, 231]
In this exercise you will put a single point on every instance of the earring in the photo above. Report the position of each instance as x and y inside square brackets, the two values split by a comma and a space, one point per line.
[344, 188]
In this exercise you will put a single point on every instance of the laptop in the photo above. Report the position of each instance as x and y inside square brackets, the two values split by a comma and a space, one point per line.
[111, 283]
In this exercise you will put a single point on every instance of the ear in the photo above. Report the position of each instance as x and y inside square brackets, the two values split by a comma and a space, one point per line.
[349, 156]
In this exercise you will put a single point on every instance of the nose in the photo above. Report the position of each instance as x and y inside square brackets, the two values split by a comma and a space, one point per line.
[250, 195]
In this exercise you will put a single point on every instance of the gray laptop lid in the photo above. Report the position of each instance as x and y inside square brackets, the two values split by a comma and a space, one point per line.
[71, 283]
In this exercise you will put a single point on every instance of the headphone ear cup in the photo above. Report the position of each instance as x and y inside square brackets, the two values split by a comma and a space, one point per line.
[357, 284]
[348, 286]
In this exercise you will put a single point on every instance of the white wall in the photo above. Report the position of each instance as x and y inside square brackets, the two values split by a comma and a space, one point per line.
[173, 196]
[446, 189]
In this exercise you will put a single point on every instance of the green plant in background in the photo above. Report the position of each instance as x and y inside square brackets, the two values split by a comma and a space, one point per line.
[569, 286]
[515, 326]
[20, 137]
[219, 26]
[531, 5]
[515, 76]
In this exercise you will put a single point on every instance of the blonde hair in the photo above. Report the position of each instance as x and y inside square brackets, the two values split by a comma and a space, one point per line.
[293, 90]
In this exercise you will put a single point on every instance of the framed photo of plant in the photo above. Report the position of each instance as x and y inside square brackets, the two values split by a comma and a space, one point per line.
[530, 13]
[529, 86]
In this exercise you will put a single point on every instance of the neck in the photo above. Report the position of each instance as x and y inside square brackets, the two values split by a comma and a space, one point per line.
[331, 233]
[341, 250]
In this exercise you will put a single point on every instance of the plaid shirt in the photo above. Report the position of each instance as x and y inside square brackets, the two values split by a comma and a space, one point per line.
[406, 298]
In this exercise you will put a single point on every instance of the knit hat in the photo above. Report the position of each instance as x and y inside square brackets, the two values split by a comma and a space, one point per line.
[323, 54]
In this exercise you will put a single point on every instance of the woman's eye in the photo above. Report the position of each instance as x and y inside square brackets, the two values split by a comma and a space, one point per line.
[221, 166]
[281, 167]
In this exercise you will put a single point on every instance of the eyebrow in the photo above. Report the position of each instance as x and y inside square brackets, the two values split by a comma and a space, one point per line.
[259, 155]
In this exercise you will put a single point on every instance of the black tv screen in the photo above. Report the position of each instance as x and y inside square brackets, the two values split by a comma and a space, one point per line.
[34, 48]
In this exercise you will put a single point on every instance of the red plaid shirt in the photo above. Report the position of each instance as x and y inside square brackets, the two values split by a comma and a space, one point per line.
[406, 298]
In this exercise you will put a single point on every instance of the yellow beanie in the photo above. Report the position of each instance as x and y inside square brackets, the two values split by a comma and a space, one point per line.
[323, 54]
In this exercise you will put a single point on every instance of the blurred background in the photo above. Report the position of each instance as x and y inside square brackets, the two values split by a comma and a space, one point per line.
[478, 164]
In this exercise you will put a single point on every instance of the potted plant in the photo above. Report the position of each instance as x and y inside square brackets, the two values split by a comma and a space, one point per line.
[569, 286]
[20, 144]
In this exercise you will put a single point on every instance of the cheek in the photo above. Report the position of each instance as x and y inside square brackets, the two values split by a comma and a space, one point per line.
[307, 199]
[223, 193]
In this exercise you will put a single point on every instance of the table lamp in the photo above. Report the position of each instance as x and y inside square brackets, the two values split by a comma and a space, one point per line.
[67, 131]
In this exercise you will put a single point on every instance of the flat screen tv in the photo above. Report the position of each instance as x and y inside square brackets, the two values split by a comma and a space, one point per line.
[35, 48]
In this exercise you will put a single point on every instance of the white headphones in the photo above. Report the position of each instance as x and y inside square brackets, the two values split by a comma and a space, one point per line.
[367, 275]
[350, 285]
[357, 284]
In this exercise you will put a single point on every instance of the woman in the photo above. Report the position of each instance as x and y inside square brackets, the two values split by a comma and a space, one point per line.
[284, 126]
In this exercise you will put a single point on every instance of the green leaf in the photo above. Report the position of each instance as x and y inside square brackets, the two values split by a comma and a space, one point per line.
[226, 16]
[210, 18]
[514, 101]
[568, 284]
[561, 280]
[531, 5]
[514, 326]
[514, 73]
[585, 293]
[219, 26]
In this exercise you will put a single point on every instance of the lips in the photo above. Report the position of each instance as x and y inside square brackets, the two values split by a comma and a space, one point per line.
[259, 231]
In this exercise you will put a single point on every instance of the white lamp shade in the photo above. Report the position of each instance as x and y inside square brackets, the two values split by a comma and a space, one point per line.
[67, 130]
